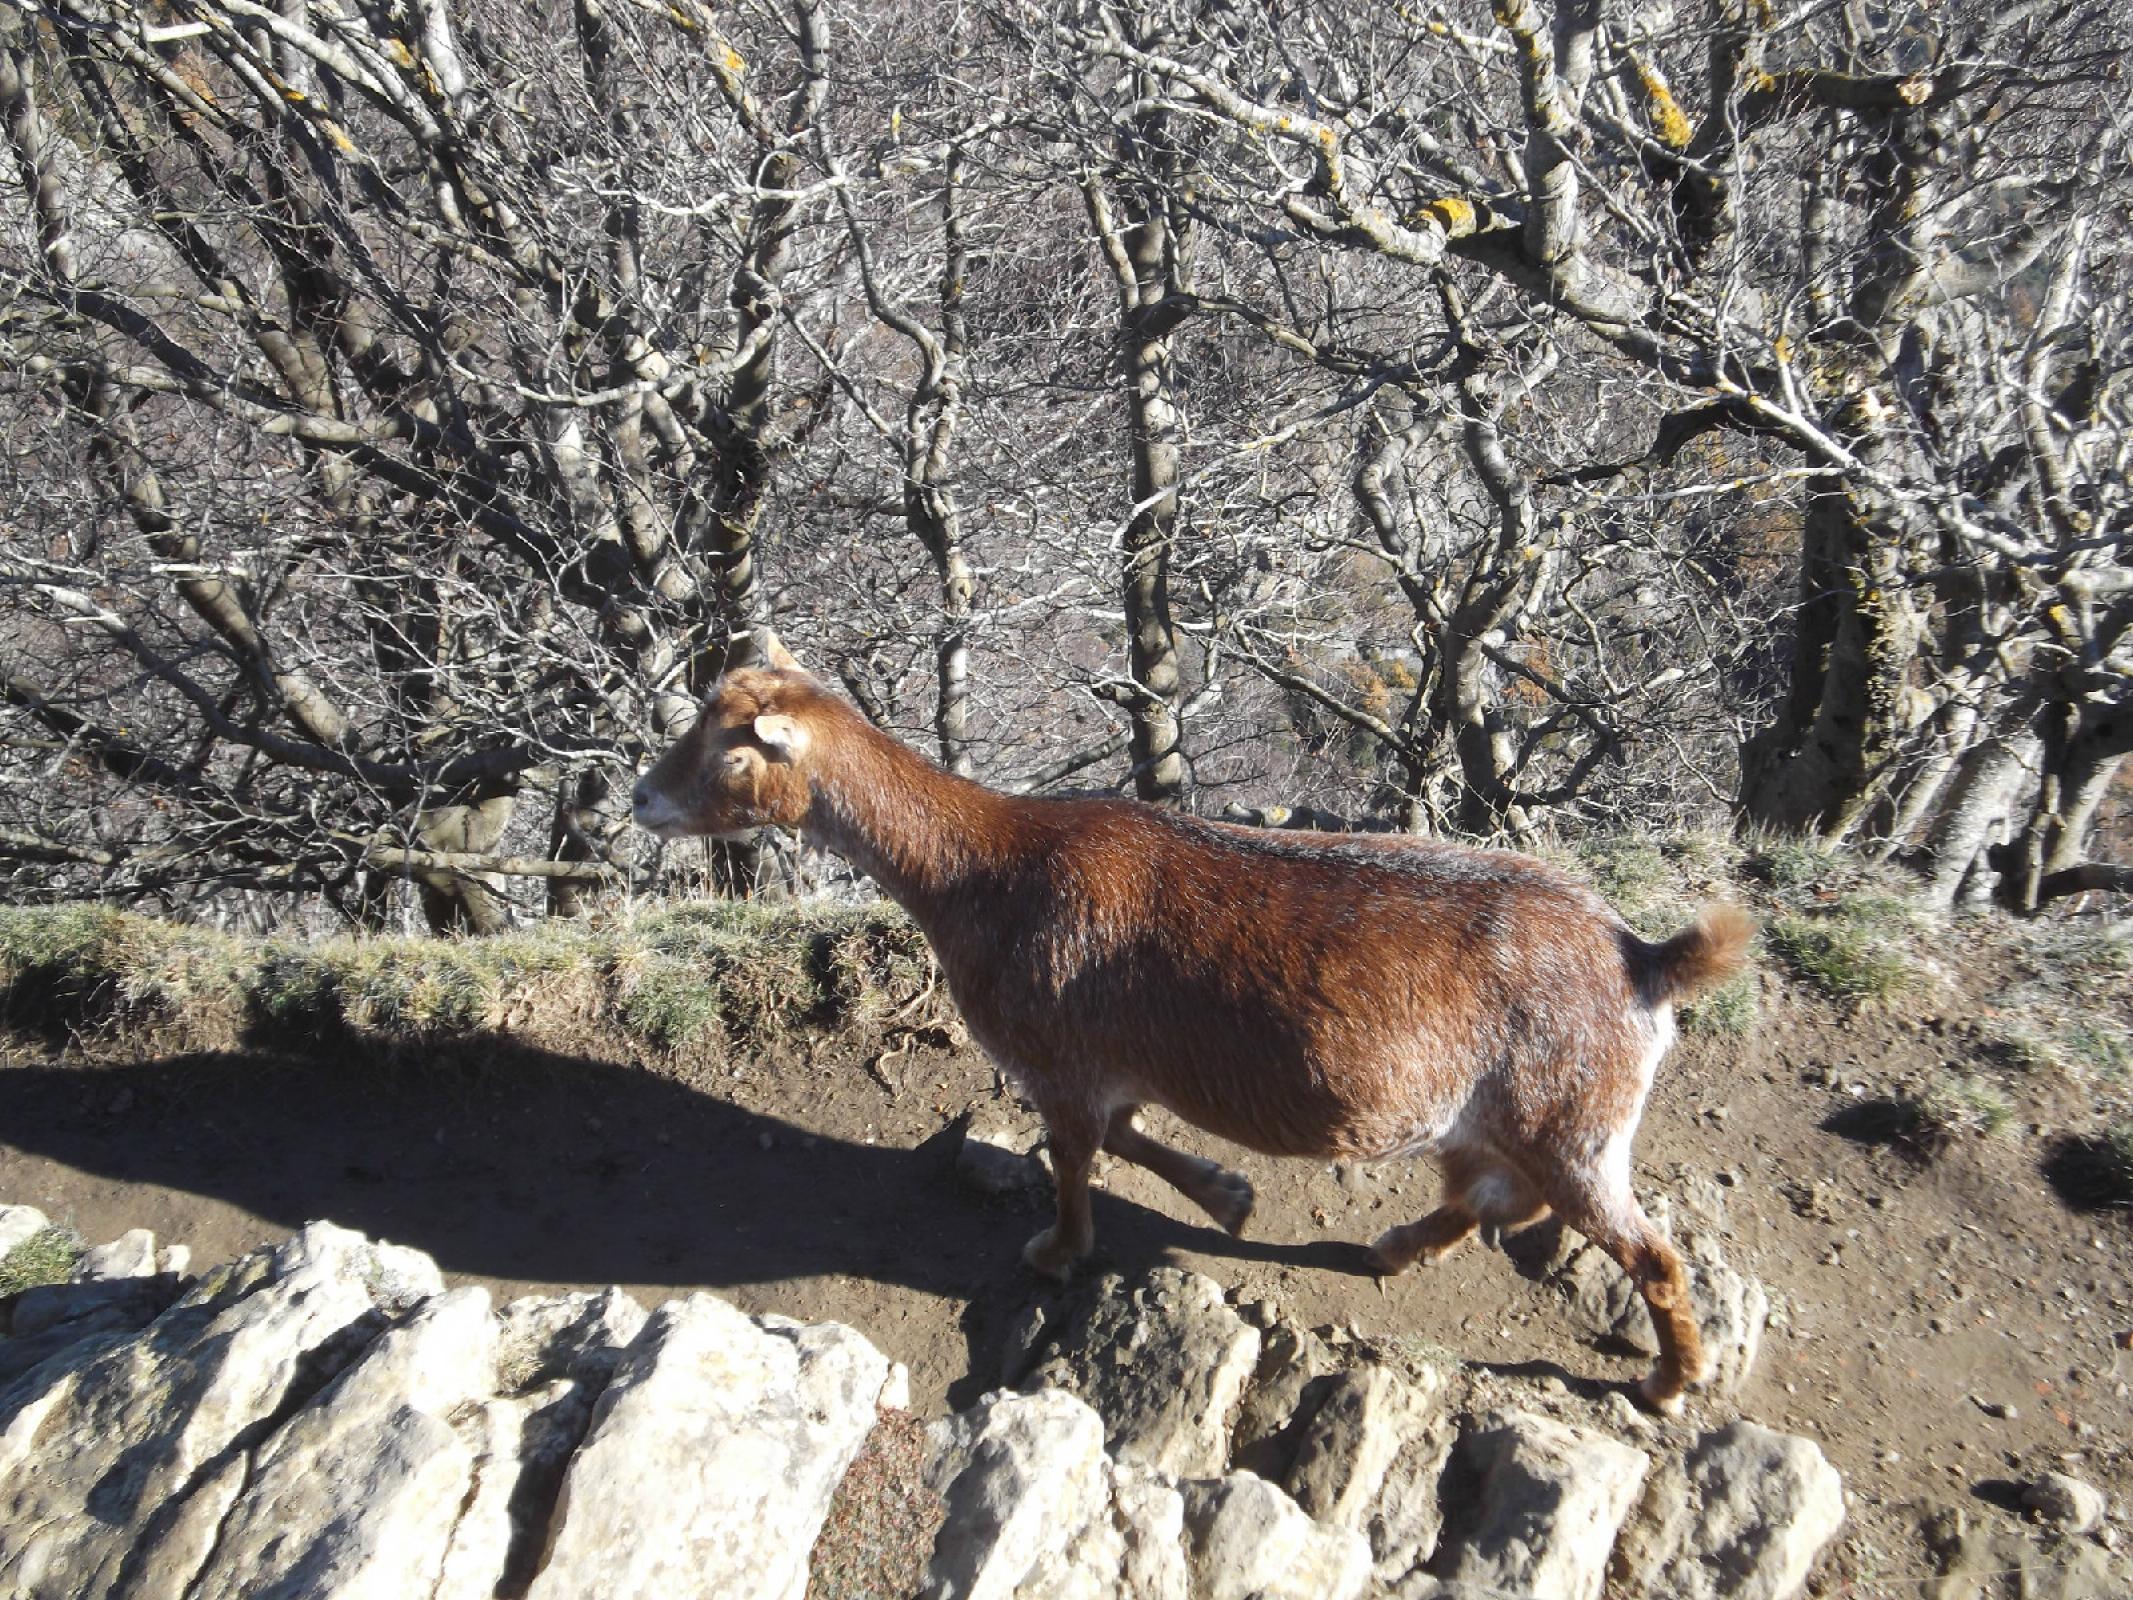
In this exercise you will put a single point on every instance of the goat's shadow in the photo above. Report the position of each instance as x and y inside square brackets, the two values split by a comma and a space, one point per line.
[507, 1162]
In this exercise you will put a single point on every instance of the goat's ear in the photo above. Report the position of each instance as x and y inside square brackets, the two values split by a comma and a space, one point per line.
[784, 737]
[771, 651]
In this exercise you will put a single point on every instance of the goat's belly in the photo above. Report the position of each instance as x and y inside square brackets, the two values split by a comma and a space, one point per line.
[1291, 1110]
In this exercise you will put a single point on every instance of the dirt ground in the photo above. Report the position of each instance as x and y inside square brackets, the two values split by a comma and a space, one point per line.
[1946, 1325]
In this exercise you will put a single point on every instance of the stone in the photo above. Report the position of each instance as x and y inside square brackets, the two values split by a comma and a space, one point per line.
[580, 1336]
[1732, 1310]
[1741, 1516]
[1351, 1442]
[1133, 1548]
[19, 1225]
[522, 1445]
[131, 1255]
[711, 1457]
[1165, 1363]
[1021, 1477]
[98, 1306]
[122, 1454]
[1548, 1501]
[1000, 1158]
[2066, 1502]
[357, 1494]
[1249, 1541]
[1985, 1562]
[1295, 1371]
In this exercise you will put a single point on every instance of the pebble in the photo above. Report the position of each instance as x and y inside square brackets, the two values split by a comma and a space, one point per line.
[2065, 1502]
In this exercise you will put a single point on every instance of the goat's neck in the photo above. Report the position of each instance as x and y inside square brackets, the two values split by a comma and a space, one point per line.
[919, 832]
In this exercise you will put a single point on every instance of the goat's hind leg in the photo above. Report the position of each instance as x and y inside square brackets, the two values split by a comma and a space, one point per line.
[1478, 1193]
[1607, 1213]
[1222, 1194]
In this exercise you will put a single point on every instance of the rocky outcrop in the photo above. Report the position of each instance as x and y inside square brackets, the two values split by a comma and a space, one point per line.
[1165, 1361]
[326, 1419]
[1549, 1500]
[1741, 1515]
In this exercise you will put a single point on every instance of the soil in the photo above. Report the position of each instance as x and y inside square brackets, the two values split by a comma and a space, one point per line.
[1947, 1326]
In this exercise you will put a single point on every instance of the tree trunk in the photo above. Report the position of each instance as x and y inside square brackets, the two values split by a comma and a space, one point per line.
[1820, 766]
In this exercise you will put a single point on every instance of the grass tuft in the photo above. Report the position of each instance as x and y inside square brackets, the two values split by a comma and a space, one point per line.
[1957, 1103]
[1858, 949]
[1727, 1012]
[46, 1256]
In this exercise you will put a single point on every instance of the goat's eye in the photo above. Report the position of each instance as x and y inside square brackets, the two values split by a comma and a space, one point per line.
[735, 761]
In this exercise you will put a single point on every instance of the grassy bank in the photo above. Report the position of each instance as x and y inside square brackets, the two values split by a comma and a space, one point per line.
[701, 980]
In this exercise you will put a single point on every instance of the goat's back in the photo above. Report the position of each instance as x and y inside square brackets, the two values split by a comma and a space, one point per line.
[1299, 993]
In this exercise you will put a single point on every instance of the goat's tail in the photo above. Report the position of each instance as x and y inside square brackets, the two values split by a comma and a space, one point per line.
[1701, 957]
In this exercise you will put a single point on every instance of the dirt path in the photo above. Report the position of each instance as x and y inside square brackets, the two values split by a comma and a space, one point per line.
[1947, 1326]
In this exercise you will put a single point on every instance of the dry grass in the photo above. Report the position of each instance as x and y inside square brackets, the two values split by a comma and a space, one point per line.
[704, 980]
[47, 1256]
[882, 1519]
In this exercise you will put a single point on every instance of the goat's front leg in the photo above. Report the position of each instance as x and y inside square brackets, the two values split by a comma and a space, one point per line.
[1073, 1137]
[1224, 1195]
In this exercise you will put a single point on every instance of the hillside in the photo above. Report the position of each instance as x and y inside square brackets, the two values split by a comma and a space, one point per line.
[1914, 1134]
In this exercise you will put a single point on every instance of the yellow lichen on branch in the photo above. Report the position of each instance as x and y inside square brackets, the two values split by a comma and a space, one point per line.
[1669, 123]
[1454, 214]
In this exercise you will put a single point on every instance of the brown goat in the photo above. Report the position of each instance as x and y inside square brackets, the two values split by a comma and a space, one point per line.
[1321, 995]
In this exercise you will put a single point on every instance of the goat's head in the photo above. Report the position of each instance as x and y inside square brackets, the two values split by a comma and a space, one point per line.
[742, 766]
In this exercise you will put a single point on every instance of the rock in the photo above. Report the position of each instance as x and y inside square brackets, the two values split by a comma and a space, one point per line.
[1249, 1541]
[125, 1452]
[1164, 1362]
[357, 1494]
[1549, 1500]
[1295, 1372]
[580, 1336]
[174, 1260]
[1732, 1310]
[2065, 1502]
[1369, 1459]
[998, 1158]
[131, 1255]
[1350, 1440]
[19, 1225]
[1026, 1338]
[1132, 1549]
[99, 1306]
[1022, 1476]
[712, 1457]
[1741, 1516]
[1983, 1563]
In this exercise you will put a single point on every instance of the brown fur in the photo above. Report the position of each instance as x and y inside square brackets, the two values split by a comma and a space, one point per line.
[1299, 994]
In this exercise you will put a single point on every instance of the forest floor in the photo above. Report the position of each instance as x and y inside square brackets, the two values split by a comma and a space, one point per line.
[1919, 1166]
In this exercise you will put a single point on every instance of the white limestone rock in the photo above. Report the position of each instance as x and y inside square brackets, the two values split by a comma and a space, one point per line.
[711, 1458]
[19, 1225]
[1249, 1541]
[1550, 1499]
[355, 1497]
[118, 1456]
[1741, 1516]
[1022, 1476]
[1165, 1362]
[131, 1255]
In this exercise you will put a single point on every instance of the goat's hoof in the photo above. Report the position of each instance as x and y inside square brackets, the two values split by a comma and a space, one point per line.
[1660, 1398]
[1048, 1257]
[1389, 1257]
[1227, 1197]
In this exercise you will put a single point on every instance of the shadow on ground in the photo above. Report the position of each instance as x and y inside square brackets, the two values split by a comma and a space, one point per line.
[513, 1163]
